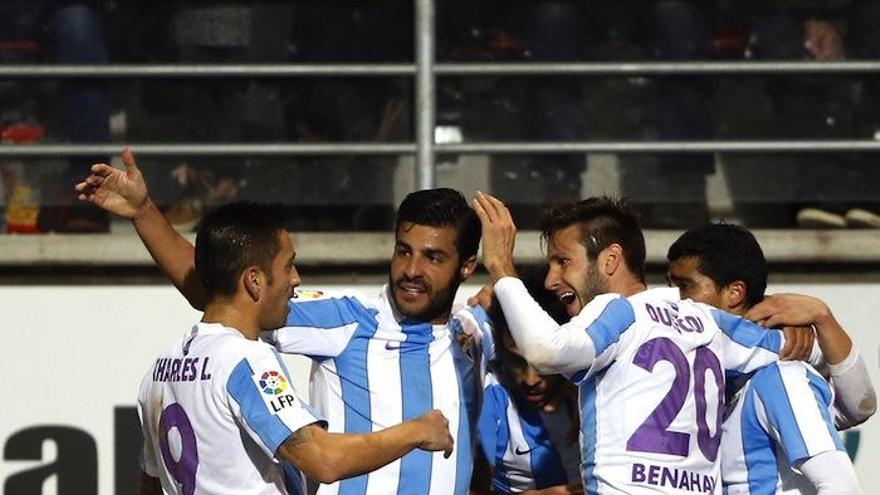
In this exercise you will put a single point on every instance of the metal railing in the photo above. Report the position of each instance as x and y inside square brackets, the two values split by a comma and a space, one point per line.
[425, 71]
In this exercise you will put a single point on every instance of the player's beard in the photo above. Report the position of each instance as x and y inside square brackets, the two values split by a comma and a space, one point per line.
[594, 285]
[439, 301]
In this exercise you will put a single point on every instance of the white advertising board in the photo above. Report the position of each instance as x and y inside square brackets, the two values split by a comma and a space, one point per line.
[72, 359]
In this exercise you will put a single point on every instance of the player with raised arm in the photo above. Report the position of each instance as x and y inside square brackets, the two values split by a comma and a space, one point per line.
[779, 429]
[649, 366]
[378, 360]
[218, 408]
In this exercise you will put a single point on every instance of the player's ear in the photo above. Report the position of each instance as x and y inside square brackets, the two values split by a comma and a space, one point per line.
[468, 268]
[610, 259]
[734, 295]
[252, 278]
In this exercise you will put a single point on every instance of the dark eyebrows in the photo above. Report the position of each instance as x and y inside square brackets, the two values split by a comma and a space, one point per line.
[435, 252]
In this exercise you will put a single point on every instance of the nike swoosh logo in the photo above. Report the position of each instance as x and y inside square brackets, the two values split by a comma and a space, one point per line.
[402, 346]
[522, 452]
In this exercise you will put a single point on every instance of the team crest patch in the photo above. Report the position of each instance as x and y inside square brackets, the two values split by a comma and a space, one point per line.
[273, 383]
[308, 294]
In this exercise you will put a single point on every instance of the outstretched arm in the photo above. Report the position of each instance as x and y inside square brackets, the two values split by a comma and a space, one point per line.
[124, 193]
[855, 397]
[329, 457]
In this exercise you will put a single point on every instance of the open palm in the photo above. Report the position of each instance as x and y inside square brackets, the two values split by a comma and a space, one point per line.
[121, 192]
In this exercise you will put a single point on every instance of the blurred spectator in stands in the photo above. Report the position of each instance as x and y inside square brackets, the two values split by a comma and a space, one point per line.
[67, 32]
[669, 189]
[77, 36]
[819, 190]
[348, 192]
[224, 110]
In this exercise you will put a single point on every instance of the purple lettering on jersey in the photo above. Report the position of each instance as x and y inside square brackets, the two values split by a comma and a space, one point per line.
[159, 370]
[652, 435]
[708, 484]
[205, 374]
[652, 312]
[638, 473]
[706, 360]
[670, 476]
[683, 482]
[184, 468]
[175, 370]
[653, 474]
[695, 482]
[673, 478]
[666, 317]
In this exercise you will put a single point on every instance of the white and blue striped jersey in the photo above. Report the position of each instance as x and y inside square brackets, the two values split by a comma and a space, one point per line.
[527, 448]
[650, 370]
[780, 418]
[373, 368]
[214, 409]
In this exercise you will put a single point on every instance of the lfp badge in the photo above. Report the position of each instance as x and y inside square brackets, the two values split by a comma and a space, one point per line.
[273, 383]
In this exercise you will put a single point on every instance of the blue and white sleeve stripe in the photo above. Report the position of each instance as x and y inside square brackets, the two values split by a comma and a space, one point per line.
[321, 328]
[796, 409]
[269, 428]
[746, 346]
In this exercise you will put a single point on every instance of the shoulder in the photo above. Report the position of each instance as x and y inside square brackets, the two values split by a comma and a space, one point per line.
[788, 377]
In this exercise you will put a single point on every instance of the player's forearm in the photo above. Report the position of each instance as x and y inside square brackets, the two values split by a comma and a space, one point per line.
[171, 251]
[546, 345]
[832, 473]
[330, 457]
[855, 398]
[833, 340]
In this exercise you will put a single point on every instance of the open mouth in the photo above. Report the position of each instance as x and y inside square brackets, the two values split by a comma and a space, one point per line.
[567, 297]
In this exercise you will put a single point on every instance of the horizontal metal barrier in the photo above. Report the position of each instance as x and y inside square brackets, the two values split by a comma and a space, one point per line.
[440, 69]
[322, 149]
[373, 249]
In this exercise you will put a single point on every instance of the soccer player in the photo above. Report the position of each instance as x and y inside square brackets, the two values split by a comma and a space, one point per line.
[779, 432]
[378, 360]
[528, 423]
[218, 409]
[649, 366]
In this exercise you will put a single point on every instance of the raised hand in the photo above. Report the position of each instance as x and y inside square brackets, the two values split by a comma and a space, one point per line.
[121, 192]
[435, 430]
[499, 235]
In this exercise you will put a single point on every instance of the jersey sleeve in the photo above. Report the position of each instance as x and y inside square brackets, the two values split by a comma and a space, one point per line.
[472, 327]
[318, 328]
[149, 456]
[263, 400]
[490, 425]
[795, 414]
[746, 346]
[578, 349]
[854, 397]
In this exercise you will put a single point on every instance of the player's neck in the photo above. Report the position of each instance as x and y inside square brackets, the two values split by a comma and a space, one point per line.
[627, 286]
[228, 314]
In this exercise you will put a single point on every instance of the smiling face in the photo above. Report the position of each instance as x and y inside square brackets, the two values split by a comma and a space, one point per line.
[571, 275]
[426, 271]
[280, 285]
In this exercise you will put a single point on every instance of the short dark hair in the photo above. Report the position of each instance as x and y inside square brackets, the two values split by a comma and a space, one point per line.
[603, 221]
[234, 237]
[443, 207]
[727, 253]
